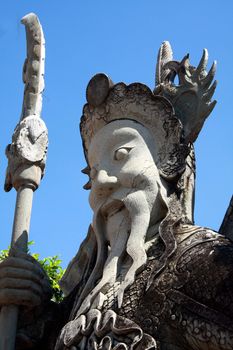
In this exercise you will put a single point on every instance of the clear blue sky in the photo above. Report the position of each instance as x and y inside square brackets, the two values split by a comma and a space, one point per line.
[120, 38]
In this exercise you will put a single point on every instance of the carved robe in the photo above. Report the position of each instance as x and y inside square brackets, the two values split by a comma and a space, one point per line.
[187, 305]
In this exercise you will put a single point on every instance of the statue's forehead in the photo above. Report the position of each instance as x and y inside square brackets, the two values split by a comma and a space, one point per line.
[120, 130]
[123, 127]
[119, 133]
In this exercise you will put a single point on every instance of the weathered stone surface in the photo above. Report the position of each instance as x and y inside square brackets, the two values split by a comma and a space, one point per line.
[27, 152]
[191, 98]
[145, 277]
[151, 262]
[98, 89]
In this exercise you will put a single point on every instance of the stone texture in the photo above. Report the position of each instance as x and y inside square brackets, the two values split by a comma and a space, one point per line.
[145, 277]
[27, 152]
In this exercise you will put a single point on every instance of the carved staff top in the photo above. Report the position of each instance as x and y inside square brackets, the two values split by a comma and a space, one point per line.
[30, 138]
[26, 159]
[33, 70]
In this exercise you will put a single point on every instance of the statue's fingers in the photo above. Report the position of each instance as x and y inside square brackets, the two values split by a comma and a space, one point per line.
[22, 264]
[18, 273]
[22, 297]
[21, 269]
[14, 251]
[14, 283]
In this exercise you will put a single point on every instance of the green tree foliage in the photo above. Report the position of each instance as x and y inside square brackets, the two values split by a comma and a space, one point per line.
[51, 265]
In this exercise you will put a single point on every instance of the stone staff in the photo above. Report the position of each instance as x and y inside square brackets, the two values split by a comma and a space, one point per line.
[26, 158]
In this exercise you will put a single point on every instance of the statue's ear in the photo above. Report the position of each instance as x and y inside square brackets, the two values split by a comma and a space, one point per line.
[191, 98]
[173, 164]
[98, 89]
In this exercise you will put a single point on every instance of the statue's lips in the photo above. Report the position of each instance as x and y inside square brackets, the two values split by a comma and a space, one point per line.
[111, 208]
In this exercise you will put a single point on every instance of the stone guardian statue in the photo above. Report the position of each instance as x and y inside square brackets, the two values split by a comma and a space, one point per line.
[145, 277]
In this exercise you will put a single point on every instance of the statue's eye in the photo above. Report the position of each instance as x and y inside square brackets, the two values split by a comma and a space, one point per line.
[121, 153]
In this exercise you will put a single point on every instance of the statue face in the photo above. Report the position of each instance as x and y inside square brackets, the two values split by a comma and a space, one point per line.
[121, 160]
[126, 198]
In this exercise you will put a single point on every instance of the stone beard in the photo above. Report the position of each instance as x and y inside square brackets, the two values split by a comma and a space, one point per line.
[127, 198]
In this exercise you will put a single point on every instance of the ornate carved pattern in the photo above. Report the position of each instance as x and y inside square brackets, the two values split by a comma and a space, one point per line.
[191, 98]
[136, 102]
[178, 297]
[104, 331]
[30, 139]
[29, 147]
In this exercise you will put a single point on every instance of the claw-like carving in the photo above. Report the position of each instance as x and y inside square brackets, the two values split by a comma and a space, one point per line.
[201, 68]
[191, 98]
[210, 76]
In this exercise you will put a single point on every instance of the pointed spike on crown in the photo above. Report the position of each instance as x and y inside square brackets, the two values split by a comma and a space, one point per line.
[185, 58]
[165, 55]
[29, 17]
[207, 81]
[201, 68]
[192, 105]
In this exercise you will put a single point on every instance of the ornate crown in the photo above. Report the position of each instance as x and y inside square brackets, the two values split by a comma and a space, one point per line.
[173, 113]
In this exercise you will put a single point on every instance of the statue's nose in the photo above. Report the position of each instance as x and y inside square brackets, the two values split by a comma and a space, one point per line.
[104, 183]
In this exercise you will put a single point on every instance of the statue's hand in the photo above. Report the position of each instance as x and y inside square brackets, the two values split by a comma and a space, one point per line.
[23, 281]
